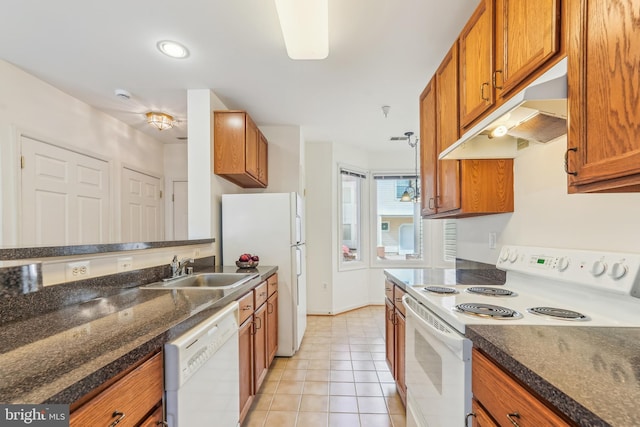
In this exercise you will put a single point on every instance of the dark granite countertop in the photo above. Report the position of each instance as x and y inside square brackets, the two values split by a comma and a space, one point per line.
[59, 356]
[13, 253]
[479, 274]
[590, 374]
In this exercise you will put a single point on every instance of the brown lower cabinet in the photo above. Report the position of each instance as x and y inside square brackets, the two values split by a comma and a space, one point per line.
[499, 400]
[257, 340]
[134, 399]
[395, 337]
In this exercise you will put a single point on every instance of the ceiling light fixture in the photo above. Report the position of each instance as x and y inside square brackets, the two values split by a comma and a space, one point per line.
[173, 49]
[305, 27]
[161, 121]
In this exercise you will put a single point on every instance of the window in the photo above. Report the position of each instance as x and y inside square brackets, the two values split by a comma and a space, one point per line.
[351, 215]
[398, 233]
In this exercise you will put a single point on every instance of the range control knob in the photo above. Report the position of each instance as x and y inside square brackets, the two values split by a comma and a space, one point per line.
[598, 268]
[563, 263]
[504, 255]
[618, 270]
[513, 256]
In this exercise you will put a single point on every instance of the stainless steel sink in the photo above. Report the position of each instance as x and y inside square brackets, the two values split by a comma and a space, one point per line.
[205, 281]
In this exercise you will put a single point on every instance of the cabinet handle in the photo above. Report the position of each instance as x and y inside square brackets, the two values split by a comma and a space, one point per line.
[395, 319]
[432, 203]
[120, 416]
[482, 91]
[247, 307]
[162, 423]
[566, 161]
[514, 415]
[262, 294]
[258, 326]
[269, 308]
[466, 419]
[495, 85]
[254, 330]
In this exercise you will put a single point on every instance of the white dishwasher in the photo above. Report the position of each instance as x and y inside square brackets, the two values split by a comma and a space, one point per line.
[202, 373]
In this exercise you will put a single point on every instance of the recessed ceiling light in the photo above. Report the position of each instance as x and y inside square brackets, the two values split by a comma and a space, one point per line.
[173, 49]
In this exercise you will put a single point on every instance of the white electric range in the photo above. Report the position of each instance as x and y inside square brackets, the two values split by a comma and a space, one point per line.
[544, 286]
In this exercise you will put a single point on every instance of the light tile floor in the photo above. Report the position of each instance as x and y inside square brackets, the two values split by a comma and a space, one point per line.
[338, 378]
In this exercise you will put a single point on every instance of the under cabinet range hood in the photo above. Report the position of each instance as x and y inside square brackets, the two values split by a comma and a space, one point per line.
[536, 114]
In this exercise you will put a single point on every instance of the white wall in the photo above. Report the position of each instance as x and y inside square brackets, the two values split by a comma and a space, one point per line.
[175, 166]
[320, 219]
[546, 215]
[32, 107]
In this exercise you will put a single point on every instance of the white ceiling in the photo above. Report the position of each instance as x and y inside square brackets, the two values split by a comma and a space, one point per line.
[381, 52]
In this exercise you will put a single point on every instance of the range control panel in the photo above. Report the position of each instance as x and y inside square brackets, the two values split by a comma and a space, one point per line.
[612, 271]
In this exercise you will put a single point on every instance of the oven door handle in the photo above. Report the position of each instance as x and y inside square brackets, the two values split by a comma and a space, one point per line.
[451, 339]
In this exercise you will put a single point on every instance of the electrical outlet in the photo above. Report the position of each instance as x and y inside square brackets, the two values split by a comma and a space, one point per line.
[196, 253]
[492, 240]
[324, 286]
[78, 270]
[125, 264]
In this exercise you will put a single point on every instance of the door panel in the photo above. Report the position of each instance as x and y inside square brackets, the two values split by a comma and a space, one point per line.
[142, 214]
[64, 194]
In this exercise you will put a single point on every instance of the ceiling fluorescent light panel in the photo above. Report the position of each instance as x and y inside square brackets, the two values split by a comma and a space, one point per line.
[305, 27]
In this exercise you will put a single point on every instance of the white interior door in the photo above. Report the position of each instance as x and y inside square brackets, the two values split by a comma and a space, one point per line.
[180, 208]
[142, 218]
[64, 196]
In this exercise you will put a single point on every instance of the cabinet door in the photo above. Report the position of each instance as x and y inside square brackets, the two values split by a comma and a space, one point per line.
[260, 346]
[263, 160]
[251, 148]
[604, 125]
[129, 399]
[154, 420]
[476, 64]
[245, 337]
[428, 148]
[389, 332]
[448, 193]
[400, 355]
[480, 416]
[272, 327]
[527, 35]
[503, 397]
[229, 142]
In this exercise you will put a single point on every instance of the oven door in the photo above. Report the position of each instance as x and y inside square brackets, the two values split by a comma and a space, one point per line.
[438, 370]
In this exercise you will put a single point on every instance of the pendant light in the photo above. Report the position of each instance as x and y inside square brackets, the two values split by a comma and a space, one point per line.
[411, 193]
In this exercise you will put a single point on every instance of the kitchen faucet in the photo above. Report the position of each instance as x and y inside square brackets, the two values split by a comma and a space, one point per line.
[178, 267]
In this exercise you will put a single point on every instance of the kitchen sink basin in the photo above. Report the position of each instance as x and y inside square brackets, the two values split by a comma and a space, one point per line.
[204, 281]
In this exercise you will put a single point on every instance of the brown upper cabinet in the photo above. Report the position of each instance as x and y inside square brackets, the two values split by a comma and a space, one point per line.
[239, 149]
[505, 45]
[456, 188]
[604, 119]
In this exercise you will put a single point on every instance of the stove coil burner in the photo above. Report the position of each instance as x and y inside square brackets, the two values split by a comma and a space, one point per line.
[488, 310]
[440, 290]
[492, 292]
[557, 313]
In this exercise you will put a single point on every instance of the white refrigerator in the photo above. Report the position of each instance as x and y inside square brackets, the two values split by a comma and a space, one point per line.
[270, 225]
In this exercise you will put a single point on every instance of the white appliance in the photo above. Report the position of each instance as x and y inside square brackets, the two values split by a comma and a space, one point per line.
[584, 288]
[202, 373]
[270, 225]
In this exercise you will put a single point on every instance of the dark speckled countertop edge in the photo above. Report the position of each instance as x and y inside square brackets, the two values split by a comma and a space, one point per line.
[122, 362]
[563, 403]
[58, 251]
